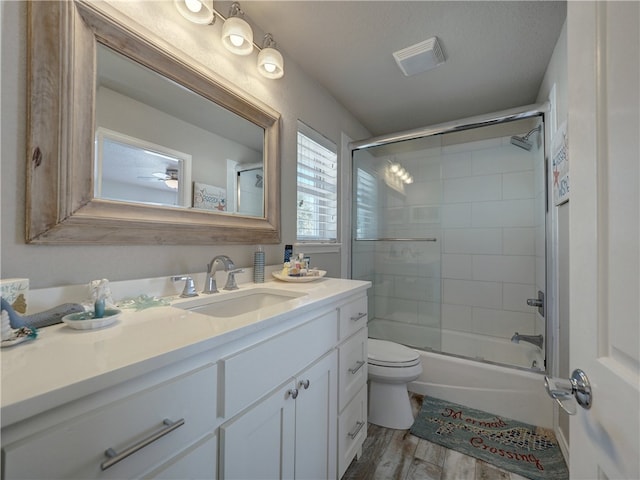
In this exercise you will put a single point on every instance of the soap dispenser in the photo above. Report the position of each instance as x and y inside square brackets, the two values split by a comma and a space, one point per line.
[258, 265]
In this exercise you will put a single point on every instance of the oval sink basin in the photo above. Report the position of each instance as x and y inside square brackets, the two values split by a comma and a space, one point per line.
[238, 303]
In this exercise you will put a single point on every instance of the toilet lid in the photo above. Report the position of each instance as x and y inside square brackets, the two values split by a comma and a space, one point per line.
[382, 352]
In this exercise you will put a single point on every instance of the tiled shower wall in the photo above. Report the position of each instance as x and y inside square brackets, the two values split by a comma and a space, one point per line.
[478, 201]
[489, 237]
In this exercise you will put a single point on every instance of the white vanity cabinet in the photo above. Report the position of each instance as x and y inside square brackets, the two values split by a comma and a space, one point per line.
[174, 394]
[150, 427]
[289, 434]
[352, 377]
[288, 385]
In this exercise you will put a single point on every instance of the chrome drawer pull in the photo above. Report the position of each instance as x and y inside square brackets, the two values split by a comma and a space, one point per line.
[356, 430]
[356, 368]
[358, 316]
[115, 457]
[293, 393]
[304, 383]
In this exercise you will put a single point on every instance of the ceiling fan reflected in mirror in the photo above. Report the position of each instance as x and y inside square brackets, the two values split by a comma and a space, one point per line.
[169, 177]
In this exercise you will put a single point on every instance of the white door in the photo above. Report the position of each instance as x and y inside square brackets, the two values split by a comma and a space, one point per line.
[604, 155]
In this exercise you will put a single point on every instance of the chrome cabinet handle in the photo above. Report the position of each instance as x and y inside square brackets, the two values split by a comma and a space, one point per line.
[565, 391]
[358, 366]
[304, 383]
[354, 433]
[293, 392]
[115, 457]
[358, 316]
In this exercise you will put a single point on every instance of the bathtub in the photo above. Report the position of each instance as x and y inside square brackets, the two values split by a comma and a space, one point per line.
[515, 393]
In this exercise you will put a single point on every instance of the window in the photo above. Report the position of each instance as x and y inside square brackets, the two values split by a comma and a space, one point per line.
[317, 187]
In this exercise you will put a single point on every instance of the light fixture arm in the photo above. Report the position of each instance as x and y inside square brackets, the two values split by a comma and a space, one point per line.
[268, 41]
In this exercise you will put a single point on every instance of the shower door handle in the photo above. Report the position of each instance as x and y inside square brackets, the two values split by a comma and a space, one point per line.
[537, 302]
[567, 392]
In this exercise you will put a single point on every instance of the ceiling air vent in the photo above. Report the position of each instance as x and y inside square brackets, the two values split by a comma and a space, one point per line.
[420, 57]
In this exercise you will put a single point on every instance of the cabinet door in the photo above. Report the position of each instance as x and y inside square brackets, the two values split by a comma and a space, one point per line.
[259, 444]
[195, 463]
[316, 414]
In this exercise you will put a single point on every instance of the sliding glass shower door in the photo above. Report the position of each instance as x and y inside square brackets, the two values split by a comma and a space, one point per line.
[450, 229]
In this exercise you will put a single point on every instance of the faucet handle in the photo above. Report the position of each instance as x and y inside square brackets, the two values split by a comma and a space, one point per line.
[231, 279]
[189, 285]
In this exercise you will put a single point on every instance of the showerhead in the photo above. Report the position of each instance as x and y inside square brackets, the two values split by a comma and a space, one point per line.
[521, 142]
[524, 142]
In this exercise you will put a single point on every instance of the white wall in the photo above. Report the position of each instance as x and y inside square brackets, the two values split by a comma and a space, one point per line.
[295, 96]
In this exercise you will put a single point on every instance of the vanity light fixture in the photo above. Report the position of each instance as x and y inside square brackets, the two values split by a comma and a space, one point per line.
[197, 11]
[270, 61]
[237, 36]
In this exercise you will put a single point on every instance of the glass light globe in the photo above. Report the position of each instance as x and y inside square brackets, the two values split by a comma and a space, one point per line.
[270, 63]
[237, 36]
[193, 5]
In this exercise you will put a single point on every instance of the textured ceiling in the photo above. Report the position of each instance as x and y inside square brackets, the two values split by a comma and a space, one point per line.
[497, 53]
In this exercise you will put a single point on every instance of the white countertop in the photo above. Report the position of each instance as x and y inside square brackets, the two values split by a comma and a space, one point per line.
[63, 364]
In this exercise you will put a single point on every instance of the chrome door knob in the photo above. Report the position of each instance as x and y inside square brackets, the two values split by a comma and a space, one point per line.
[567, 392]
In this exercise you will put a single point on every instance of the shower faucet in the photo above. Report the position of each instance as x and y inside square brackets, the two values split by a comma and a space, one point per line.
[536, 340]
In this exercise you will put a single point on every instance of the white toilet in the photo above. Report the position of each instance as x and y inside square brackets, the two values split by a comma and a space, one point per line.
[391, 366]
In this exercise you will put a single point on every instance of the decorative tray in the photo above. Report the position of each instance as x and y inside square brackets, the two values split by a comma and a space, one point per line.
[86, 320]
[307, 278]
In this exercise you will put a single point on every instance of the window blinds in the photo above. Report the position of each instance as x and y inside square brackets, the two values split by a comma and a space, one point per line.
[317, 187]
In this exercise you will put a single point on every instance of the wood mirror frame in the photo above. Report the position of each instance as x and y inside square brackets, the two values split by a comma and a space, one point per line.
[60, 204]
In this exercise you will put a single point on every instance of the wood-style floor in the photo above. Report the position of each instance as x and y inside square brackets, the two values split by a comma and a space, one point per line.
[397, 455]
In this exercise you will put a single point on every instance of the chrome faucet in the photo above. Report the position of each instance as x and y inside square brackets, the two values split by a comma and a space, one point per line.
[536, 340]
[212, 267]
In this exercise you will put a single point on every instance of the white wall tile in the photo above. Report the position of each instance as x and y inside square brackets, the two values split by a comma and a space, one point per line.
[456, 215]
[417, 288]
[457, 317]
[427, 171]
[514, 297]
[507, 213]
[457, 266]
[504, 268]
[396, 309]
[501, 160]
[472, 293]
[474, 146]
[470, 189]
[456, 165]
[517, 185]
[518, 241]
[429, 314]
[473, 240]
[423, 193]
[501, 323]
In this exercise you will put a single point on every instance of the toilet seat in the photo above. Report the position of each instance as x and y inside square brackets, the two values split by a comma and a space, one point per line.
[388, 354]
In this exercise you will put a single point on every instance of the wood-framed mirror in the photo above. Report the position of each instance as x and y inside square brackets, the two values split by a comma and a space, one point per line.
[64, 203]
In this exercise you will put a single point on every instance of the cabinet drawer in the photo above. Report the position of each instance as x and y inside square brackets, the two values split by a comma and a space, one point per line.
[352, 430]
[76, 448]
[253, 373]
[353, 317]
[352, 364]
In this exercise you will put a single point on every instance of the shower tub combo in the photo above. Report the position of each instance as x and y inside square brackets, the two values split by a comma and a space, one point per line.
[449, 226]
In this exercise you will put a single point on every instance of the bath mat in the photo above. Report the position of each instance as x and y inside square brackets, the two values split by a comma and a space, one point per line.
[529, 451]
